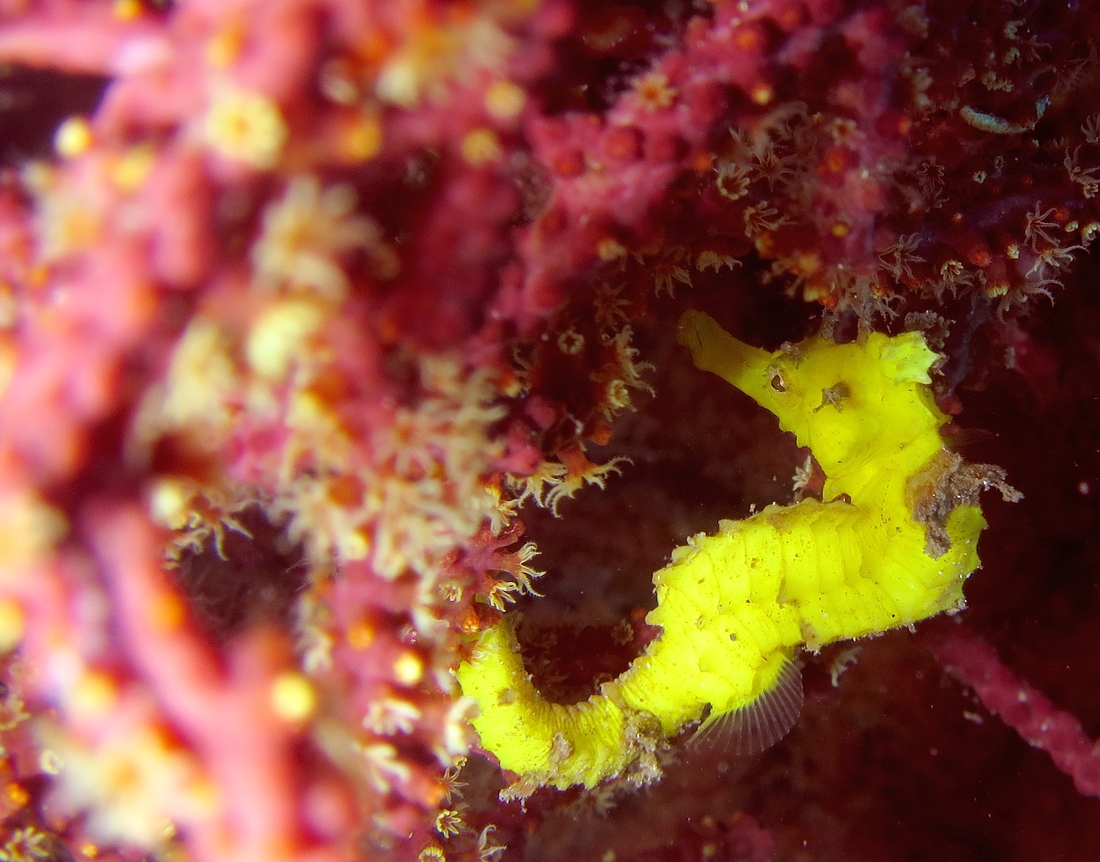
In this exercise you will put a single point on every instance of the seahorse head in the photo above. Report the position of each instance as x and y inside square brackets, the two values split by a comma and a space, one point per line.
[854, 405]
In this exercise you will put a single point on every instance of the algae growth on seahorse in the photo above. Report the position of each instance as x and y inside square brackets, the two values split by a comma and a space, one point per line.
[890, 543]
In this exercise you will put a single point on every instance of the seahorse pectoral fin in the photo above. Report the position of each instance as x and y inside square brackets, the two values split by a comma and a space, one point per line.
[761, 723]
[715, 350]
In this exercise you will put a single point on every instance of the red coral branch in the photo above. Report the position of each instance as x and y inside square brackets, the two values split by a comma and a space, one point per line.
[1019, 704]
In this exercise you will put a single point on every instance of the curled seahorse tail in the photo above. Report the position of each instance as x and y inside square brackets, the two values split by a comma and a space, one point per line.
[545, 743]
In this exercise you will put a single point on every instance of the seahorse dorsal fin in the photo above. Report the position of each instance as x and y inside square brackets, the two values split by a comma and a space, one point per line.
[759, 725]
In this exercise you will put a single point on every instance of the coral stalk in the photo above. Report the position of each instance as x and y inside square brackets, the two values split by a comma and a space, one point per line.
[1019, 704]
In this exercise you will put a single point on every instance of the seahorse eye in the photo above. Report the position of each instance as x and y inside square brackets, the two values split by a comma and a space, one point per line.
[777, 382]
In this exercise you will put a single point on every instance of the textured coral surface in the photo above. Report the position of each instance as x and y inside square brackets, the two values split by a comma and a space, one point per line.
[332, 329]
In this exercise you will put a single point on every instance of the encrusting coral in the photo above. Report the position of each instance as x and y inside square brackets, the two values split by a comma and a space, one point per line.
[308, 306]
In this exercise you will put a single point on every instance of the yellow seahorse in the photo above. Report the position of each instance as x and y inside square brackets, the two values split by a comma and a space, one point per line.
[890, 544]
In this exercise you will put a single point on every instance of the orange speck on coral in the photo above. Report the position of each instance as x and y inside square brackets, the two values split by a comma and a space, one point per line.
[361, 635]
[167, 612]
[361, 138]
[388, 330]
[807, 263]
[470, 622]
[980, 255]
[621, 142]
[94, 695]
[16, 795]
[836, 160]
[346, 490]
[126, 10]
[702, 162]
[434, 794]
[761, 94]
[226, 46]
[813, 291]
[568, 165]
[601, 434]
[749, 39]
[610, 249]
[38, 275]
[817, 290]
[510, 383]
[791, 17]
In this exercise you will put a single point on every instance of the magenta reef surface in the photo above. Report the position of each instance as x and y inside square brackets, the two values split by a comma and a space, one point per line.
[331, 330]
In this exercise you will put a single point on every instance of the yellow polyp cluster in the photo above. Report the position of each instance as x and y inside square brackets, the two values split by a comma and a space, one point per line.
[435, 51]
[293, 698]
[360, 137]
[31, 528]
[481, 146]
[505, 99]
[113, 778]
[891, 543]
[12, 625]
[247, 127]
[309, 233]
